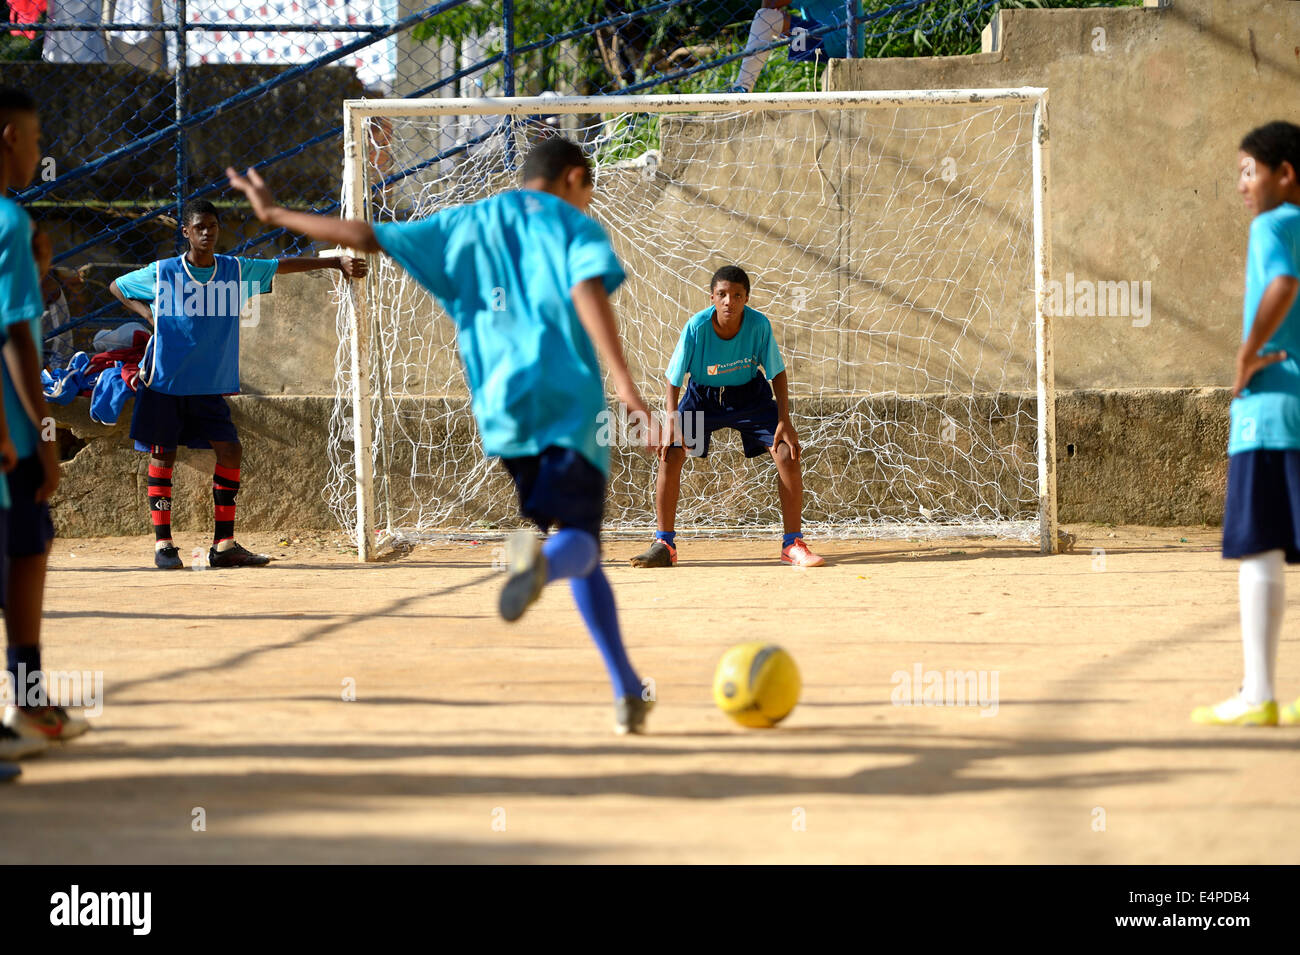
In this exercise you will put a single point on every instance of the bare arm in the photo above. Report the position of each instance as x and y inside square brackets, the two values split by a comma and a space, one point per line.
[25, 371]
[781, 388]
[132, 304]
[353, 267]
[348, 233]
[597, 317]
[674, 397]
[1273, 307]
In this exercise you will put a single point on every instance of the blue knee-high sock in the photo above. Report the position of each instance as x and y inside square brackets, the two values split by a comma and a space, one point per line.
[595, 602]
[570, 553]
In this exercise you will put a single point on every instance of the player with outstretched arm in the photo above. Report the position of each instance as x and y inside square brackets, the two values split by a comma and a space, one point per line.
[526, 276]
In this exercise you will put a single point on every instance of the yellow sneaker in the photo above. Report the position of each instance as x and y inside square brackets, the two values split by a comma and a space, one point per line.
[1289, 715]
[1237, 712]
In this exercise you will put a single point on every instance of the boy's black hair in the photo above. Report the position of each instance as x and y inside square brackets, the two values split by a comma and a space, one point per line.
[197, 208]
[552, 157]
[1273, 144]
[730, 273]
[14, 100]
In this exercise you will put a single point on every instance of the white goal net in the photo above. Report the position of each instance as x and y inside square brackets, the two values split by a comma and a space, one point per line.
[896, 242]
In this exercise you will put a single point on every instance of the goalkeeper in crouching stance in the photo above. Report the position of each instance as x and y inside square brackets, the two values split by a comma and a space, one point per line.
[534, 379]
[730, 354]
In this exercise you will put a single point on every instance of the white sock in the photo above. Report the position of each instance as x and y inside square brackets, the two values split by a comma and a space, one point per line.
[1261, 584]
[766, 28]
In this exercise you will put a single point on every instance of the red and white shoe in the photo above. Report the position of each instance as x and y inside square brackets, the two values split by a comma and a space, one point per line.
[49, 722]
[798, 555]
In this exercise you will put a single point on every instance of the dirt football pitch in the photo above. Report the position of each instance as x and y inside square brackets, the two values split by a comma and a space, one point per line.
[227, 734]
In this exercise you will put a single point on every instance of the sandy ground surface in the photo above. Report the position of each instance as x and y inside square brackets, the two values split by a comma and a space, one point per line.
[475, 741]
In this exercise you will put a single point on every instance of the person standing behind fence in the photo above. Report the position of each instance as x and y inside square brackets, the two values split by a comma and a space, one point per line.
[74, 46]
[773, 21]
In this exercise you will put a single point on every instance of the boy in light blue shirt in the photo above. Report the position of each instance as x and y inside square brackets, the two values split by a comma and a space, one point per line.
[737, 380]
[526, 276]
[31, 719]
[1261, 520]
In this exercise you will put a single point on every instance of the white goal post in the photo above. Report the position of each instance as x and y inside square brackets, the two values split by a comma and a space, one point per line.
[898, 241]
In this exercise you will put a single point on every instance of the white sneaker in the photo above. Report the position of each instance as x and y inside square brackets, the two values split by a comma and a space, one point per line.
[16, 746]
[47, 723]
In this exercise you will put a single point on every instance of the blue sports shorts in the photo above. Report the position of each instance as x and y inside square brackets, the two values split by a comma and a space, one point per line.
[749, 408]
[559, 486]
[163, 422]
[1262, 509]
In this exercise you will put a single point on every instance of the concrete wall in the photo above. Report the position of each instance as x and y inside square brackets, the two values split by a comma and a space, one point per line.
[1145, 120]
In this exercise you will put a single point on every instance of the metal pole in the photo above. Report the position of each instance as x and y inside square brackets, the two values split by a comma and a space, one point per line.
[182, 178]
[356, 205]
[508, 52]
[1047, 527]
[851, 6]
[694, 102]
[508, 44]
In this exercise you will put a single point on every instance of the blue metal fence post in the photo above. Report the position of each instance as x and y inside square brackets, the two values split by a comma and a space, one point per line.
[851, 6]
[508, 45]
[508, 59]
[182, 185]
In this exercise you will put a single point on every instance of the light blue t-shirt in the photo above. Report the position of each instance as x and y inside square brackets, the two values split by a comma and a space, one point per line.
[1267, 415]
[827, 12]
[20, 301]
[714, 361]
[140, 284]
[503, 269]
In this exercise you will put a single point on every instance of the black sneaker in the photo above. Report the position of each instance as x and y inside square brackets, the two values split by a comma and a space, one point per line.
[630, 713]
[236, 556]
[660, 554]
[167, 558]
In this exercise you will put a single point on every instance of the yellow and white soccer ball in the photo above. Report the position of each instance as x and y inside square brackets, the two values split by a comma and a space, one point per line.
[756, 684]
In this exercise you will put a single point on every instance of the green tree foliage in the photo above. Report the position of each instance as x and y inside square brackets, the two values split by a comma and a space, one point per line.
[672, 42]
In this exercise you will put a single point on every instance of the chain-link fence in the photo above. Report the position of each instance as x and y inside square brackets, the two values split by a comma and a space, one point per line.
[145, 102]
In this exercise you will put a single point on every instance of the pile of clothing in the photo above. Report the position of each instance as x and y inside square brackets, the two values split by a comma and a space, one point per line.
[108, 377]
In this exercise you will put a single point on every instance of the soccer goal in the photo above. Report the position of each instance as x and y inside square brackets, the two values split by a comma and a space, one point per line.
[897, 241]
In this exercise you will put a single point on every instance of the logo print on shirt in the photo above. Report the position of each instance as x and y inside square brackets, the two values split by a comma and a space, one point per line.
[713, 369]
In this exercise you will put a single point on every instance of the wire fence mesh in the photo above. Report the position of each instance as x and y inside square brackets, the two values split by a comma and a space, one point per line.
[145, 102]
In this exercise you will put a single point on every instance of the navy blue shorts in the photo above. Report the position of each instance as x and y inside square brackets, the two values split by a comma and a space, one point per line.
[749, 408]
[163, 422]
[559, 486]
[1262, 509]
[30, 527]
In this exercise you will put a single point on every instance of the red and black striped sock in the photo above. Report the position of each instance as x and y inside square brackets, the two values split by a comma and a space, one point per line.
[160, 502]
[225, 485]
